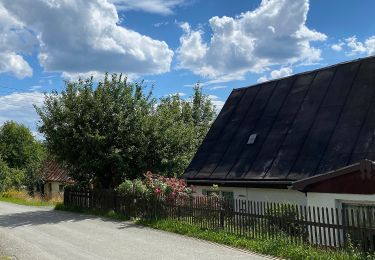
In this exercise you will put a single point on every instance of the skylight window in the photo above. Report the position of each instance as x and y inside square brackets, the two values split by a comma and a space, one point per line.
[252, 139]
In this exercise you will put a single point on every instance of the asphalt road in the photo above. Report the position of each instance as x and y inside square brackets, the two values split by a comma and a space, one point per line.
[42, 233]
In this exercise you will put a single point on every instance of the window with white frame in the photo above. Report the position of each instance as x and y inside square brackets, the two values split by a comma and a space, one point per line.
[229, 195]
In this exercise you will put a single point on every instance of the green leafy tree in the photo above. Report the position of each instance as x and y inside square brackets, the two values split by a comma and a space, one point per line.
[179, 127]
[10, 178]
[21, 152]
[114, 130]
[203, 112]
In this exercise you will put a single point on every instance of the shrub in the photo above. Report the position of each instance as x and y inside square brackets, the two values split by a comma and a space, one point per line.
[125, 188]
[135, 188]
[10, 177]
[155, 184]
[139, 188]
[170, 187]
[284, 218]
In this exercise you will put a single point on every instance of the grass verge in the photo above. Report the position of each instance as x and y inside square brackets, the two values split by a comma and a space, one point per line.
[108, 214]
[275, 247]
[27, 202]
[6, 258]
[23, 198]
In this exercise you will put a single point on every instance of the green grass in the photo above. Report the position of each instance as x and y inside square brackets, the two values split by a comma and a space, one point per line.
[275, 247]
[108, 214]
[5, 258]
[26, 201]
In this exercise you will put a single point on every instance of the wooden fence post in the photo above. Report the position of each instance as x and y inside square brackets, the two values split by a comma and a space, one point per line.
[222, 216]
[114, 194]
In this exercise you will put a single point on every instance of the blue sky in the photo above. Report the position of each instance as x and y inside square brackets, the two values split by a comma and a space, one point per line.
[171, 44]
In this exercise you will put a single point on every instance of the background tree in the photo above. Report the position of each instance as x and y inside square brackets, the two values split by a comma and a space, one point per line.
[10, 178]
[21, 153]
[203, 112]
[116, 130]
[179, 127]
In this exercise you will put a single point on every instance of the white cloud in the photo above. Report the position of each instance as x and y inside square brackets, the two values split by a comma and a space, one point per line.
[370, 45]
[181, 94]
[157, 25]
[35, 87]
[213, 97]
[163, 7]
[15, 64]
[97, 75]
[262, 79]
[337, 47]
[217, 87]
[14, 40]
[283, 72]
[216, 102]
[82, 36]
[355, 46]
[273, 34]
[223, 78]
[220, 79]
[19, 107]
[276, 74]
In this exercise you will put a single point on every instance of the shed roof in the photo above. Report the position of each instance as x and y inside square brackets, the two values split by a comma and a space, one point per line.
[305, 124]
[53, 171]
[357, 178]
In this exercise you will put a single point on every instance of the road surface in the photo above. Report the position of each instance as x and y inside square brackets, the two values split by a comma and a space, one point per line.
[42, 233]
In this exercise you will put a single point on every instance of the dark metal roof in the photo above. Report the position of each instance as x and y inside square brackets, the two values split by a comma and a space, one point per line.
[306, 124]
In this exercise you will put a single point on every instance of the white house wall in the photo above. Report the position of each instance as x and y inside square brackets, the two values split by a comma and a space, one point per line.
[332, 200]
[312, 199]
[54, 189]
[261, 194]
[335, 200]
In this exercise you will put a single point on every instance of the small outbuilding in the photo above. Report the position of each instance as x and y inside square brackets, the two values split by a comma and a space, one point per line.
[349, 187]
[307, 139]
[55, 178]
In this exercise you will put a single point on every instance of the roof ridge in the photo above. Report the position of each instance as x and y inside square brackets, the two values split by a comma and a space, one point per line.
[309, 71]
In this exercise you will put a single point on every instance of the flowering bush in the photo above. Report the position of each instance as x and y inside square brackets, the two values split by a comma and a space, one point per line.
[155, 184]
[170, 187]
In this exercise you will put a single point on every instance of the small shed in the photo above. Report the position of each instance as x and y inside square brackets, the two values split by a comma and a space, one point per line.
[55, 178]
[343, 187]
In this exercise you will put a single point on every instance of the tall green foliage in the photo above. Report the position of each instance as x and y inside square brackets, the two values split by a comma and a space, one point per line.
[178, 127]
[116, 130]
[10, 178]
[21, 156]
